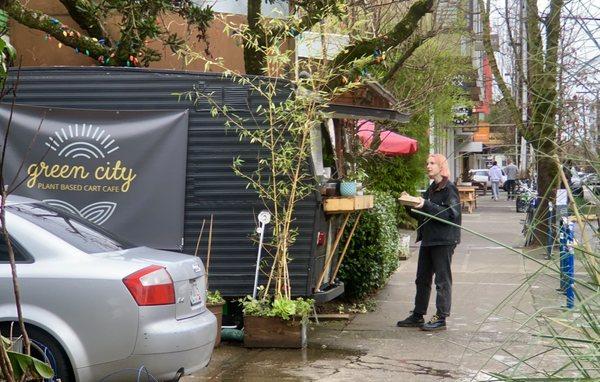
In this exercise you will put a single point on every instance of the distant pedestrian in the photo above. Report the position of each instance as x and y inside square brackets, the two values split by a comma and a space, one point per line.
[511, 172]
[495, 178]
[438, 241]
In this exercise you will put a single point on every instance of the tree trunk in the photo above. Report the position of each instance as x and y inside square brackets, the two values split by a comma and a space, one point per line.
[542, 73]
[254, 58]
[543, 81]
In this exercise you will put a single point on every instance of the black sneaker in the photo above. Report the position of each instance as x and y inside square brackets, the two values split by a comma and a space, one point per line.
[436, 323]
[412, 321]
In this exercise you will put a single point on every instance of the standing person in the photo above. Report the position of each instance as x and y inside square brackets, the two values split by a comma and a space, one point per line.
[511, 177]
[495, 177]
[438, 241]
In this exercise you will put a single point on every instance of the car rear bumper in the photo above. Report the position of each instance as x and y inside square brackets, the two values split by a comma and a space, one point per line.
[162, 349]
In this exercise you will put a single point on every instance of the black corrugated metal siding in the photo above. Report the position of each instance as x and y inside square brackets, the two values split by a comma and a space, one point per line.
[211, 186]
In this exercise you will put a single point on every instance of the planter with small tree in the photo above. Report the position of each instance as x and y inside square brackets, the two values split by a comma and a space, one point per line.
[284, 133]
[276, 323]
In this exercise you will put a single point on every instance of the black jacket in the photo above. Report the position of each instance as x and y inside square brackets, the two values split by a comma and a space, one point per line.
[441, 200]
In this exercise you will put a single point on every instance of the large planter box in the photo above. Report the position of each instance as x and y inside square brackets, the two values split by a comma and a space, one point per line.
[273, 332]
[217, 310]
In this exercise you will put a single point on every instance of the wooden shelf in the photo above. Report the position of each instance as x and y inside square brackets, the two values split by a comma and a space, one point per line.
[340, 204]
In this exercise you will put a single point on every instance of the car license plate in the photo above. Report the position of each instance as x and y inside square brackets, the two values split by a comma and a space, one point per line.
[195, 293]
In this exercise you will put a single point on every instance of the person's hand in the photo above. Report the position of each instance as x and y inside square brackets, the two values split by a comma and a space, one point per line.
[421, 203]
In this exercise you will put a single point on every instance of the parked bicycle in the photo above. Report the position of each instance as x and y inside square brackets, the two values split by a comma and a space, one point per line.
[528, 223]
[524, 195]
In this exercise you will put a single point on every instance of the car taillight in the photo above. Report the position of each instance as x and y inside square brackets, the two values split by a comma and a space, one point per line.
[151, 286]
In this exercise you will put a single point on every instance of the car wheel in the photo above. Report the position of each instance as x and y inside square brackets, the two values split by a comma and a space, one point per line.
[43, 347]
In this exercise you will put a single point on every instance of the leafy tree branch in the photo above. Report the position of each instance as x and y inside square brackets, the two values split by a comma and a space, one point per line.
[85, 14]
[139, 24]
[400, 33]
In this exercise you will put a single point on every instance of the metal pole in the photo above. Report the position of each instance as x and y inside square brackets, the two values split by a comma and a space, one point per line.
[264, 217]
[549, 238]
[260, 230]
[570, 267]
[563, 254]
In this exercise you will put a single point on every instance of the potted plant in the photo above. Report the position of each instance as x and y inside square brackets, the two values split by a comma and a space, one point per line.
[214, 303]
[352, 182]
[276, 322]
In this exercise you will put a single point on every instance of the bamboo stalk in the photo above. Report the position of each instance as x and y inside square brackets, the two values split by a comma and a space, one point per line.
[199, 238]
[329, 256]
[209, 247]
[5, 365]
[339, 263]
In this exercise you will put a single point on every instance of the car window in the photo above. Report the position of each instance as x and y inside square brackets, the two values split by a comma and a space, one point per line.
[75, 230]
[19, 256]
[481, 173]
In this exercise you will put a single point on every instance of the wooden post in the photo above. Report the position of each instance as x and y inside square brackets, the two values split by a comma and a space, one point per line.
[339, 263]
[199, 238]
[208, 250]
[329, 256]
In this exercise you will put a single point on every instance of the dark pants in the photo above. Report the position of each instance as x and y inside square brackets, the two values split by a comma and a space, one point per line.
[510, 187]
[434, 260]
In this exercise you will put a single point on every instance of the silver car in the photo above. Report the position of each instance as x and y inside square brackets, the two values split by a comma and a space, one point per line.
[98, 308]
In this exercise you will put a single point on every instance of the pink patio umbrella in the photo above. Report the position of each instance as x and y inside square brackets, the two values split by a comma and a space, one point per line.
[392, 144]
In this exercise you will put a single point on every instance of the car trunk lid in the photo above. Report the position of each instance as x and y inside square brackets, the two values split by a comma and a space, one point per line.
[186, 271]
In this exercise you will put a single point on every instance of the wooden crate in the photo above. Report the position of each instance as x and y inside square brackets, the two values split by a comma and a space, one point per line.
[342, 204]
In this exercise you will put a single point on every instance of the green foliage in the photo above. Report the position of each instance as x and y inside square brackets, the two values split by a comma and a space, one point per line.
[429, 85]
[372, 256]
[430, 82]
[214, 298]
[404, 173]
[139, 22]
[23, 364]
[283, 308]
[7, 55]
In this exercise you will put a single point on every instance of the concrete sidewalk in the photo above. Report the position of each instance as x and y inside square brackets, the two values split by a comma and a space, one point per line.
[371, 347]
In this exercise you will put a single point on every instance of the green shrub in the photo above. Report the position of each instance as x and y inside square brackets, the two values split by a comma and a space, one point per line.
[372, 255]
[214, 298]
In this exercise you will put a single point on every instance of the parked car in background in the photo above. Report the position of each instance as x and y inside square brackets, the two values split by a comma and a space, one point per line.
[96, 306]
[576, 183]
[482, 175]
[591, 187]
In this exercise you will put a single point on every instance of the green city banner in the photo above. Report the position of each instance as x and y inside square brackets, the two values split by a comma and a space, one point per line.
[123, 170]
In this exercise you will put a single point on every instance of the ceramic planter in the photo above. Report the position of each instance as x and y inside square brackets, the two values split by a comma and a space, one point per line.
[217, 310]
[274, 332]
[348, 188]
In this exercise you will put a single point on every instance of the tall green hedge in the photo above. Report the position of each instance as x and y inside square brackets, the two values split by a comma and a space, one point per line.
[372, 255]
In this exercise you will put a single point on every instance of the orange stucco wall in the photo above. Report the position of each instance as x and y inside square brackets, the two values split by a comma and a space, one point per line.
[35, 49]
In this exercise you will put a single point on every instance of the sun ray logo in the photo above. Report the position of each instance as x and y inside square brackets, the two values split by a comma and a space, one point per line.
[85, 141]
[98, 212]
